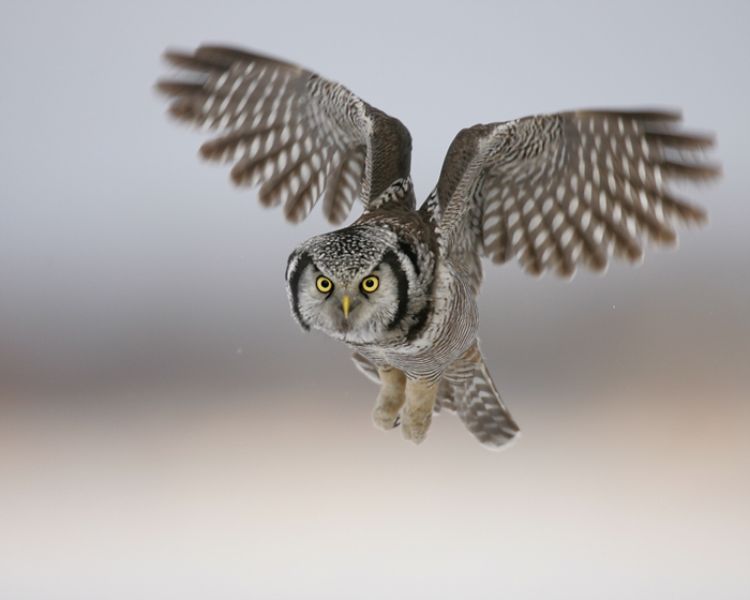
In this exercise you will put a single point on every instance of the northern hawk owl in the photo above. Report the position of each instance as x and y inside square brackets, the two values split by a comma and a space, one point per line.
[399, 285]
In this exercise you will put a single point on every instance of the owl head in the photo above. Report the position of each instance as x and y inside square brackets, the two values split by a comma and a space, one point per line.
[356, 284]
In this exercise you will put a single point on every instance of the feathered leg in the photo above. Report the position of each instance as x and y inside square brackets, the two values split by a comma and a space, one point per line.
[390, 399]
[417, 413]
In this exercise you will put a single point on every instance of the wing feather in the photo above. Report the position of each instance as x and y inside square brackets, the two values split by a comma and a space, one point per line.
[567, 189]
[345, 177]
[299, 136]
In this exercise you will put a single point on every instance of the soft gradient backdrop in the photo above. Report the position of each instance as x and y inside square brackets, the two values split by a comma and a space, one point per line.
[167, 431]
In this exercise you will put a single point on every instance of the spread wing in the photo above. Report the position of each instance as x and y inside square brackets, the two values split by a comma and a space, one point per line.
[294, 133]
[568, 189]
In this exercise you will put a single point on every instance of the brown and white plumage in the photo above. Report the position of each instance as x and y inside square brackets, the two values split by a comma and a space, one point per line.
[568, 189]
[289, 130]
[556, 191]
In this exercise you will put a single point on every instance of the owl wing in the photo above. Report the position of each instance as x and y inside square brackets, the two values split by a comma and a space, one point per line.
[568, 189]
[296, 134]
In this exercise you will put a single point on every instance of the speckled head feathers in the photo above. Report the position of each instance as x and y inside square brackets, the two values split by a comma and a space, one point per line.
[346, 253]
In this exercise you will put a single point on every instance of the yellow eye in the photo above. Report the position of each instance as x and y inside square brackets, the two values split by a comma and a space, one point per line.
[324, 284]
[370, 284]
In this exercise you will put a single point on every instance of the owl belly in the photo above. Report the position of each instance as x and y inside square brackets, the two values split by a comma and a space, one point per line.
[450, 331]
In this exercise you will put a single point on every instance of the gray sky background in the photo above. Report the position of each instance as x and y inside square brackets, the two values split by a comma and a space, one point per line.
[167, 427]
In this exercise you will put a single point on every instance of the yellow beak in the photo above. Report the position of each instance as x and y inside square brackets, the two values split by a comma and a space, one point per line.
[345, 303]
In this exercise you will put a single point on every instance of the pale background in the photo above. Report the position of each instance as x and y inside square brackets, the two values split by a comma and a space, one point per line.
[167, 431]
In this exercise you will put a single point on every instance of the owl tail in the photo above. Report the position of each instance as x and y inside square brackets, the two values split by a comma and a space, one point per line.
[476, 401]
[468, 390]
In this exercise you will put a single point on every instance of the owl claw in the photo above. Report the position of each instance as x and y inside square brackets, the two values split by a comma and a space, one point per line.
[384, 418]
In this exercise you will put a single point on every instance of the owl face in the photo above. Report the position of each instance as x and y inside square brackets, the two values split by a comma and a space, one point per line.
[350, 284]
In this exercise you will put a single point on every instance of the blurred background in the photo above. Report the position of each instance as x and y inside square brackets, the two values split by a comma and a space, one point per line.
[167, 431]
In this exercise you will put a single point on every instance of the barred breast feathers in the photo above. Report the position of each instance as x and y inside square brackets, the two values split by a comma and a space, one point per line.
[450, 329]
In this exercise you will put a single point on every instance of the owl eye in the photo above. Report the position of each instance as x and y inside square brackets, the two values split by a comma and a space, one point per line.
[370, 284]
[324, 284]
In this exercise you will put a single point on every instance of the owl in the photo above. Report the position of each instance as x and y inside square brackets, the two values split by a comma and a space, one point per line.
[399, 286]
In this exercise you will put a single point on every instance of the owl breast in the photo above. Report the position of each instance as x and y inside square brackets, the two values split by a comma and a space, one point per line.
[450, 329]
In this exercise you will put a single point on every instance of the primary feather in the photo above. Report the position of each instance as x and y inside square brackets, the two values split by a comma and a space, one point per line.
[568, 189]
[287, 129]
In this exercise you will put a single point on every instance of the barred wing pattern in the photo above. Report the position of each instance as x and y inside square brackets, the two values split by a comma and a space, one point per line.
[297, 134]
[568, 189]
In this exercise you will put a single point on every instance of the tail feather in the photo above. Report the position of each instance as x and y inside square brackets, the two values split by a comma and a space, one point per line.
[477, 401]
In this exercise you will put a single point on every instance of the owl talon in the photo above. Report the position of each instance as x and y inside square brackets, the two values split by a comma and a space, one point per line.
[383, 418]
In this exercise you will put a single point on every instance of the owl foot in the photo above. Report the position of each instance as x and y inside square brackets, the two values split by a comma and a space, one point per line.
[390, 399]
[417, 413]
[415, 426]
[384, 419]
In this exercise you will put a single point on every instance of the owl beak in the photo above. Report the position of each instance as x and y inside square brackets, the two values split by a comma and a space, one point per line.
[345, 305]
